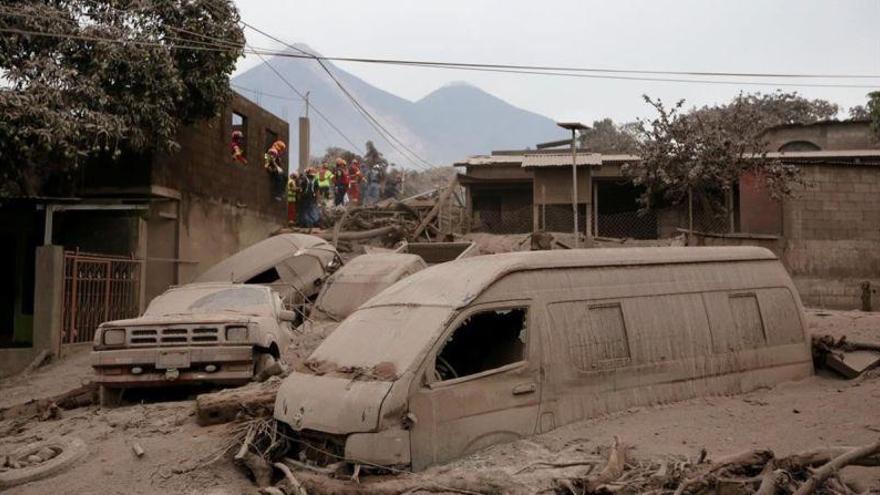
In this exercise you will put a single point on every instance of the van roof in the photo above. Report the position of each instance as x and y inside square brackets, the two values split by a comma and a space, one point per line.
[261, 256]
[458, 282]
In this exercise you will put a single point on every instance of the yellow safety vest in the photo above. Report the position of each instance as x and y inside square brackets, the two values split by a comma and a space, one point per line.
[291, 191]
[325, 178]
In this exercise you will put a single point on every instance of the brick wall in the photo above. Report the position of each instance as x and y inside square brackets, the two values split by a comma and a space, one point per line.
[204, 164]
[832, 229]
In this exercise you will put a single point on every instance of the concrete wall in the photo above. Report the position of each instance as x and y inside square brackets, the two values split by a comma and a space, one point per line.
[49, 278]
[211, 230]
[825, 135]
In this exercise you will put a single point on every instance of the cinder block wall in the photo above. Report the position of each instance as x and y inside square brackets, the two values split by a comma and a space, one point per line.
[204, 164]
[832, 235]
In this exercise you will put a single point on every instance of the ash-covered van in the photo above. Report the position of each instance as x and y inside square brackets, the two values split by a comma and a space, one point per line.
[484, 350]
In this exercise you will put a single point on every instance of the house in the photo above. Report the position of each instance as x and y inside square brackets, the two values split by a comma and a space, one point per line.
[827, 234]
[129, 230]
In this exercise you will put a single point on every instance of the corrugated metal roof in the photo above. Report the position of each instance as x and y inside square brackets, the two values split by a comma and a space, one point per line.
[491, 160]
[457, 282]
[560, 159]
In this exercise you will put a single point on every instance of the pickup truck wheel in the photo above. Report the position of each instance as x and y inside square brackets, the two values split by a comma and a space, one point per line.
[262, 361]
[109, 397]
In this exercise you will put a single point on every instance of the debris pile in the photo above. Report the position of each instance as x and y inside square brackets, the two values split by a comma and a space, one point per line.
[850, 359]
[569, 472]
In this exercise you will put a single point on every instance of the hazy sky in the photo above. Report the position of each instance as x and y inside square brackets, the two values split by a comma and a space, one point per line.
[778, 36]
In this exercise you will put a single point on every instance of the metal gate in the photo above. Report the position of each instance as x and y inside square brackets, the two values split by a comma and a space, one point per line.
[97, 288]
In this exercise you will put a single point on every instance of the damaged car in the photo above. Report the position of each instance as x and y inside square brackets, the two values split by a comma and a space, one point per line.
[216, 333]
[484, 350]
[295, 265]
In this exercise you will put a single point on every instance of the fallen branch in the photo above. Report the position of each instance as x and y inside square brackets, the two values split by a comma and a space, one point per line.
[754, 460]
[612, 470]
[255, 400]
[838, 463]
[295, 485]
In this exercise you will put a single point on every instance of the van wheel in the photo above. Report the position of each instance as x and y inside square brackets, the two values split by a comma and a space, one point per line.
[109, 397]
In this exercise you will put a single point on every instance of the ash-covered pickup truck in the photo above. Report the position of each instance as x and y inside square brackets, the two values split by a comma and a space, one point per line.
[220, 333]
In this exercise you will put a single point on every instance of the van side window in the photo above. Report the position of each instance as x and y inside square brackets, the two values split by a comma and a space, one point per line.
[781, 316]
[484, 341]
[747, 320]
[597, 336]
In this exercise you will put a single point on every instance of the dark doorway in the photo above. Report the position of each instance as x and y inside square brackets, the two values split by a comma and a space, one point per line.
[617, 212]
[8, 289]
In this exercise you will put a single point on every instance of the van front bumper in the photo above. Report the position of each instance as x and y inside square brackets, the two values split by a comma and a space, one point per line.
[385, 448]
[233, 364]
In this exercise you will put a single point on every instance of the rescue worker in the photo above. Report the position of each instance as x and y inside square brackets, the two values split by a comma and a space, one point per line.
[272, 164]
[292, 187]
[273, 155]
[340, 180]
[355, 177]
[237, 147]
[373, 185]
[325, 179]
[308, 194]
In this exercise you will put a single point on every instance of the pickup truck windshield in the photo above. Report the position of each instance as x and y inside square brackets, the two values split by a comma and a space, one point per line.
[389, 338]
[202, 300]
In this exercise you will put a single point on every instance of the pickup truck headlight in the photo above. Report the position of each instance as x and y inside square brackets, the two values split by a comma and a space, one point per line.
[114, 336]
[236, 334]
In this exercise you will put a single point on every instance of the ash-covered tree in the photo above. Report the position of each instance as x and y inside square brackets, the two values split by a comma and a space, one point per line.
[704, 153]
[334, 152]
[605, 136]
[869, 111]
[373, 157]
[84, 80]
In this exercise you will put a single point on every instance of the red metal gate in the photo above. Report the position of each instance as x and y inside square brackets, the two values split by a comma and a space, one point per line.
[97, 288]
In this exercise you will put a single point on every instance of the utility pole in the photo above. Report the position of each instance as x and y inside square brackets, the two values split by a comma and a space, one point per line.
[304, 137]
[574, 127]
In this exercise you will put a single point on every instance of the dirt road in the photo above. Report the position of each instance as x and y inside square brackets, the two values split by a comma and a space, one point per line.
[819, 411]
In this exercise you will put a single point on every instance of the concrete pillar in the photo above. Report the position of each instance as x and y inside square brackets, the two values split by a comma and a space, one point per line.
[48, 298]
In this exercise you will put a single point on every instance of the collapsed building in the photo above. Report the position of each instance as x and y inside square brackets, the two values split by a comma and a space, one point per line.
[126, 231]
[825, 235]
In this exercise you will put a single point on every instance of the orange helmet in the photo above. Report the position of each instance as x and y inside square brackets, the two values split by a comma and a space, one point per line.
[279, 145]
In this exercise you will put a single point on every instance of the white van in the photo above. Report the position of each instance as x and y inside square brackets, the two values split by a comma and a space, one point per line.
[489, 349]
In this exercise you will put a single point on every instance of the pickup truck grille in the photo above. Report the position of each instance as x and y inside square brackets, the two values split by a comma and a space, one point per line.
[148, 337]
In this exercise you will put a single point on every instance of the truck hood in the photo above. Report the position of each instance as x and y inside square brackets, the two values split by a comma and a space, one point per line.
[330, 404]
[181, 318]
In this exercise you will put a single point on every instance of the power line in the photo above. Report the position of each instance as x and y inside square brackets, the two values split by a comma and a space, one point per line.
[389, 137]
[320, 114]
[478, 69]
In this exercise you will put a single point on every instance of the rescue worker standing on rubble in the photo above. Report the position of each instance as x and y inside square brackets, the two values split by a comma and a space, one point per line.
[292, 188]
[308, 194]
[355, 177]
[340, 181]
[325, 179]
[272, 164]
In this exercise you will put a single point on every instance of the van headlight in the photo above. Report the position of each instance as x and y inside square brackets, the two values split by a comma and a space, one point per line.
[236, 334]
[114, 336]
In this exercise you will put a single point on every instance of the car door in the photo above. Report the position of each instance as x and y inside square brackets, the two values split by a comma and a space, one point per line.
[493, 397]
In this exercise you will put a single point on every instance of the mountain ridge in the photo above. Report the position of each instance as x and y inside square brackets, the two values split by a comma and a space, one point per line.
[448, 124]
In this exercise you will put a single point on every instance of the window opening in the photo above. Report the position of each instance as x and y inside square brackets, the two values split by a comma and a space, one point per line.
[267, 277]
[484, 341]
[238, 143]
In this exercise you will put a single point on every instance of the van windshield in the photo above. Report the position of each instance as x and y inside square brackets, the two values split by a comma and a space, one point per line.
[380, 343]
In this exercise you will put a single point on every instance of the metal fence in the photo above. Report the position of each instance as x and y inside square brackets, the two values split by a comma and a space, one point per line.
[98, 288]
